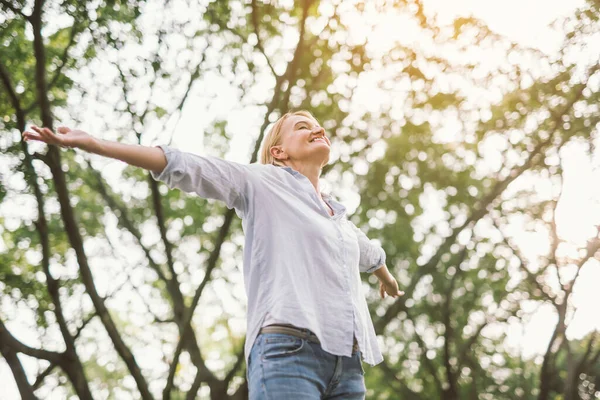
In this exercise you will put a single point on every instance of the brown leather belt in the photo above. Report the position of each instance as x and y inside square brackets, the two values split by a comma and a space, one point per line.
[298, 332]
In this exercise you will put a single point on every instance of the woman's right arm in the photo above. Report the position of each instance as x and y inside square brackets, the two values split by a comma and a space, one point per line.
[150, 158]
[208, 176]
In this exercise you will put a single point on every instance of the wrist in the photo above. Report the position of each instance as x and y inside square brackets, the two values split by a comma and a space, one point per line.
[94, 145]
[383, 274]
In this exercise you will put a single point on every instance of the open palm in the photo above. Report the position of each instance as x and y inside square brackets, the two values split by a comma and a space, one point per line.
[67, 137]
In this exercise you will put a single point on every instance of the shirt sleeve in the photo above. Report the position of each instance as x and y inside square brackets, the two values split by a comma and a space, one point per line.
[208, 176]
[372, 256]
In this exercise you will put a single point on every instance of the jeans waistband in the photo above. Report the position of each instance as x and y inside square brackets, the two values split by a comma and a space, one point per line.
[298, 332]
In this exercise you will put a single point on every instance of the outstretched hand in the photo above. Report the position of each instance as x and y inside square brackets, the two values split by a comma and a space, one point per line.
[389, 286]
[67, 137]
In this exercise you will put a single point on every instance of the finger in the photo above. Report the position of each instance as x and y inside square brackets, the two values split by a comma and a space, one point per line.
[31, 136]
[41, 131]
[63, 129]
[400, 293]
[52, 137]
[39, 135]
[48, 131]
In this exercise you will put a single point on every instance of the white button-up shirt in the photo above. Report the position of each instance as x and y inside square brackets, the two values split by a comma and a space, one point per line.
[300, 264]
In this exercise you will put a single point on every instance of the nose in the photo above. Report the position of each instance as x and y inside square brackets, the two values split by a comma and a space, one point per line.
[319, 130]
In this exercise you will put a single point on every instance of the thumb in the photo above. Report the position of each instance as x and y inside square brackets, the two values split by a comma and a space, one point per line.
[63, 129]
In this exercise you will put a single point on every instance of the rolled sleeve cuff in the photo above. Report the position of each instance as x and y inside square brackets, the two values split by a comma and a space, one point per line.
[380, 263]
[168, 169]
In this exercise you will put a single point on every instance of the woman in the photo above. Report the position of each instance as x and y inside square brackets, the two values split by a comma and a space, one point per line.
[308, 326]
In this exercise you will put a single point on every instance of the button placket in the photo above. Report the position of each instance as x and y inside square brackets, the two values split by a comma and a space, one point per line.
[356, 320]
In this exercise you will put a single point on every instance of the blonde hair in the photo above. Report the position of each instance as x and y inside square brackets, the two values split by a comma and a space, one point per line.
[273, 138]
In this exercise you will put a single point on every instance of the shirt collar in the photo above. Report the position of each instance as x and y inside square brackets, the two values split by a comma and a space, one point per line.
[292, 171]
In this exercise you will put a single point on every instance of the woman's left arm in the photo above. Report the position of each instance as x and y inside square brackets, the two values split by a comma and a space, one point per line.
[387, 283]
[372, 260]
[372, 256]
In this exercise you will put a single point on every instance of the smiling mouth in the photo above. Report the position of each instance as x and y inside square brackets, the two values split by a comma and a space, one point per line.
[318, 140]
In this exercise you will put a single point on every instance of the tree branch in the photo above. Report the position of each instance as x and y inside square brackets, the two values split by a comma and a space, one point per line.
[7, 339]
[236, 366]
[211, 264]
[67, 213]
[452, 391]
[259, 44]
[479, 211]
[402, 389]
[74, 370]
[187, 334]
[531, 277]
[193, 77]
[63, 59]
[426, 361]
[10, 355]
[546, 370]
[12, 94]
[124, 219]
[40, 378]
[275, 102]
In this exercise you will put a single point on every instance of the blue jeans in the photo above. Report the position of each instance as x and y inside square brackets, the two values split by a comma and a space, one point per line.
[282, 366]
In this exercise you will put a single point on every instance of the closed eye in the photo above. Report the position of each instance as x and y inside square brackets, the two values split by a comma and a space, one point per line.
[304, 125]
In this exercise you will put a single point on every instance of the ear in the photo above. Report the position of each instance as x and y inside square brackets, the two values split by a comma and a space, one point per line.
[277, 152]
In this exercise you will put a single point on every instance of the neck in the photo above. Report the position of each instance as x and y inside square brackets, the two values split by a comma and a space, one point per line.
[311, 171]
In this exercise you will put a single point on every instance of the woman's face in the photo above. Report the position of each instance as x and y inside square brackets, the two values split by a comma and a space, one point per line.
[303, 140]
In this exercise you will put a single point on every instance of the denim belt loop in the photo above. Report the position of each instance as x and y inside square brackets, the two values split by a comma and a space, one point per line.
[306, 333]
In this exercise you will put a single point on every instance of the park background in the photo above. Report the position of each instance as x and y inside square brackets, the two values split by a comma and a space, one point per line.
[464, 141]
